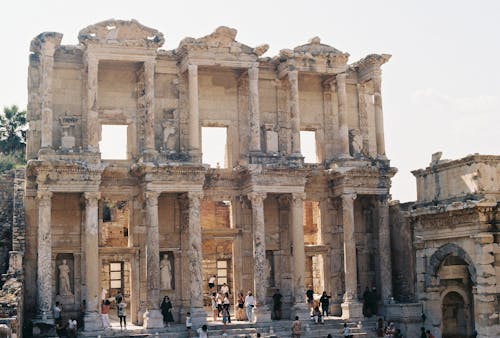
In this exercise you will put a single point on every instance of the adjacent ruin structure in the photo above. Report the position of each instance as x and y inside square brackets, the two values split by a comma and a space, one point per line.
[157, 221]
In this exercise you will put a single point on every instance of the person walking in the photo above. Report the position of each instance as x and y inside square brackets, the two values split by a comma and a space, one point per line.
[346, 331]
[166, 311]
[57, 312]
[325, 303]
[241, 306]
[226, 304]
[277, 304]
[120, 311]
[105, 313]
[249, 304]
[296, 328]
[189, 324]
[310, 297]
[215, 309]
[203, 331]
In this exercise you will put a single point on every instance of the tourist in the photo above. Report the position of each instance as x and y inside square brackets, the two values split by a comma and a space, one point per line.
[422, 332]
[57, 312]
[215, 308]
[380, 327]
[372, 301]
[366, 302]
[241, 306]
[429, 334]
[346, 331]
[60, 329]
[203, 331]
[83, 309]
[120, 311]
[226, 305]
[105, 313]
[310, 297]
[317, 315]
[225, 318]
[189, 324]
[250, 304]
[389, 331]
[166, 311]
[224, 289]
[277, 304]
[211, 281]
[72, 327]
[397, 334]
[118, 297]
[219, 304]
[296, 328]
[325, 303]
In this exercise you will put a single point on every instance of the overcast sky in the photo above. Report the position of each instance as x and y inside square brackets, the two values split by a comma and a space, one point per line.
[441, 89]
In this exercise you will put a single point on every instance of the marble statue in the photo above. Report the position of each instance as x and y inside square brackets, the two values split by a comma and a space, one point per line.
[165, 273]
[64, 283]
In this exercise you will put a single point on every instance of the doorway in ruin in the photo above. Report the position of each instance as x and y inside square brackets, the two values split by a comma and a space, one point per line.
[315, 253]
[217, 248]
[454, 312]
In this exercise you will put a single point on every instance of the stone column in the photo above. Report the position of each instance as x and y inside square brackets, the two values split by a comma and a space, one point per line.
[49, 44]
[262, 312]
[379, 116]
[253, 105]
[149, 88]
[44, 259]
[351, 308]
[92, 317]
[342, 106]
[293, 79]
[195, 259]
[384, 248]
[93, 127]
[194, 114]
[152, 316]
[298, 256]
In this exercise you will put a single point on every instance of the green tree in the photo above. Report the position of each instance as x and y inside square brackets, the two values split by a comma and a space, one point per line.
[12, 130]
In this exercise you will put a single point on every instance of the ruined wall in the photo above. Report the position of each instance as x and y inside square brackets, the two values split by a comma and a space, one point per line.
[6, 208]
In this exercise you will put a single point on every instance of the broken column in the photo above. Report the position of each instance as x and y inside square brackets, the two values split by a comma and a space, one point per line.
[253, 105]
[293, 79]
[93, 128]
[379, 116]
[149, 111]
[343, 125]
[194, 115]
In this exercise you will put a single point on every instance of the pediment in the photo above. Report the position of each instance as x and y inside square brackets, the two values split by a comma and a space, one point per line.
[121, 33]
[313, 49]
[221, 41]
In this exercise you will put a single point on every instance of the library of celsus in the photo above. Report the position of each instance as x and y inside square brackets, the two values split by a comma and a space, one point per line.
[155, 219]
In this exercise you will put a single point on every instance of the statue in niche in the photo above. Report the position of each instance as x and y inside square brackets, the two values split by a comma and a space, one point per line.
[356, 142]
[165, 272]
[64, 279]
[169, 135]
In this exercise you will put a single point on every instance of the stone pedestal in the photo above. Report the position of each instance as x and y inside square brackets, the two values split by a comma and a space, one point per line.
[152, 319]
[352, 310]
[262, 314]
[93, 321]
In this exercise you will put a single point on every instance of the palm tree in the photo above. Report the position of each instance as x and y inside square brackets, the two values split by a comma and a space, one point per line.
[12, 130]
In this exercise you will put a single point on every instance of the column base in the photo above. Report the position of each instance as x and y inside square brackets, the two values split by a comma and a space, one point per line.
[152, 319]
[92, 321]
[300, 310]
[262, 314]
[352, 310]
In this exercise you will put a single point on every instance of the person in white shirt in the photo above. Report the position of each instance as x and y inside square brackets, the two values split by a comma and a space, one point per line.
[249, 304]
[203, 331]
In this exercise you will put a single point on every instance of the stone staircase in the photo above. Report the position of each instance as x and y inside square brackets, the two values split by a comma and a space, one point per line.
[278, 329]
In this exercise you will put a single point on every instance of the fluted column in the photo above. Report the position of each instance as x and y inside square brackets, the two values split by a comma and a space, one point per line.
[351, 308]
[44, 258]
[149, 88]
[299, 255]
[384, 248]
[342, 107]
[152, 316]
[195, 258]
[93, 128]
[293, 79]
[49, 44]
[194, 114]
[262, 312]
[91, 245]
[253, 104]
[379, 115]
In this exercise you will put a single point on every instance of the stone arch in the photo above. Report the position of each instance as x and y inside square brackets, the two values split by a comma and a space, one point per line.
[459, 321]
[437, 258]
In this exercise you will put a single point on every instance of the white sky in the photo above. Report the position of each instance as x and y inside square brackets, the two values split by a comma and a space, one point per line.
[441, 89]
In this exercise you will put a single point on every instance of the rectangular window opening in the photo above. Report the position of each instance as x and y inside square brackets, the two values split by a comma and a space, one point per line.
[214, 146]
[308, 146]
[113, 145]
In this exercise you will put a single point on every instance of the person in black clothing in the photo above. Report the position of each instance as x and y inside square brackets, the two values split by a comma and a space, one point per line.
[325, 304]
[277, 304]
[310, 297]
[166, 311]
[367, 297]
[422, 332]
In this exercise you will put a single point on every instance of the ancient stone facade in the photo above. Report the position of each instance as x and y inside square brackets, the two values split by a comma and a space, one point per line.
[457, 254]
[160, 222]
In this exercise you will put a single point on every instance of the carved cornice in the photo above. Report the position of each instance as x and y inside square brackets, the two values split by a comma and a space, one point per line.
[64, 174]
[369, 66]
[46, 42]
[148, 172]
[439, 217]
[362, 180]
[121, 33]
[442, 165]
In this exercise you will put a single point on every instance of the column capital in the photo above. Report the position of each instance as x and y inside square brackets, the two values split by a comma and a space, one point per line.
[44, 195]
[298, 197]
[349, 195]
[293, 75]
[192, 68]
[340, 79]
[92, 195]
[195, 195]
[256, 197]
[383, 199]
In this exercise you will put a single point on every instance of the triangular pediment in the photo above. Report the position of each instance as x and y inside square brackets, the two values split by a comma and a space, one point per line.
[121, 33]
